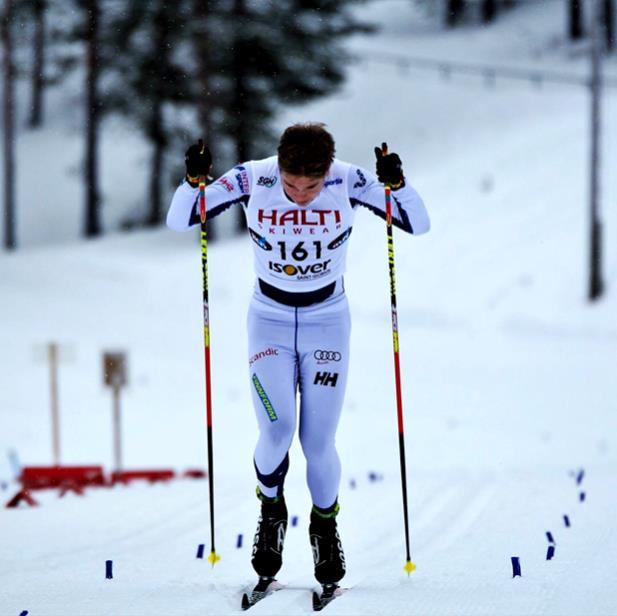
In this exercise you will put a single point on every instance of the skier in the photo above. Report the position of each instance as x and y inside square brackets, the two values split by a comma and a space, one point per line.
[299, 207]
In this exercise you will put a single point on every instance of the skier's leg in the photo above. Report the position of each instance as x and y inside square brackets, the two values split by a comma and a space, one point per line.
[324, 344]
[272, 373]
[323, 374]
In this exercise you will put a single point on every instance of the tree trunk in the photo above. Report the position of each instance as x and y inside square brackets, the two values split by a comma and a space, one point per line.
[156, 130]
[608, 13]
[93, 116]
[488, 10]
[454, 12]
[156, 172]
[8, 113]
[576, 20]
[240, 128]
[38, 64]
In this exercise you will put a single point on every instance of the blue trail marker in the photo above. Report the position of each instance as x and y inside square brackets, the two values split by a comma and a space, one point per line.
[549, 536]
[581, 497]
[373, 476]
[200, 550]
[352, 484]
[566, 521]
[239, 541]
[516, 567]
[294, 520]
[109, 572]
[579, 476]
[550, 552]
[24, 613]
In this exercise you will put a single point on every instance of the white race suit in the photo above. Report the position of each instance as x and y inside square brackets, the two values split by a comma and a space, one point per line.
[298, 319]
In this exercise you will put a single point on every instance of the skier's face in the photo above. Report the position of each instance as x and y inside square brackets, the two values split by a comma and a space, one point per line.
[301, 189]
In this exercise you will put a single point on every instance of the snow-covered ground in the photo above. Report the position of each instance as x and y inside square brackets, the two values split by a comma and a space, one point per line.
[509, 374]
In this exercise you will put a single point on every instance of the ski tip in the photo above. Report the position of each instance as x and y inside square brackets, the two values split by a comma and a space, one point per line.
[409, 567]
[213, 558]
[245, 602]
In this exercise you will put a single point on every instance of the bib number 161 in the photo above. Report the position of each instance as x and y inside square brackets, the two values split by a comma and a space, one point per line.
[299, 252]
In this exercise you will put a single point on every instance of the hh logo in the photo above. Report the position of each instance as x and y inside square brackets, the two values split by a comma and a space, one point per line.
[326, 378]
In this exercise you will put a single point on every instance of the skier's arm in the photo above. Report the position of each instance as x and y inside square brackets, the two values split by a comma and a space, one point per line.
[408, 210]
[230, 189]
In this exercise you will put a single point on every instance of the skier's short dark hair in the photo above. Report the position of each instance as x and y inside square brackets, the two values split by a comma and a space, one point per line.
[306, 149]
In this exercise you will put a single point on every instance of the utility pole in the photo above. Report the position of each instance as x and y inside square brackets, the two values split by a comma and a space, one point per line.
[596, 286]
[8, 122]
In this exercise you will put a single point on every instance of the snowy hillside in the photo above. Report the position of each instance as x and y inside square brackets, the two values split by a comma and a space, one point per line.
[509, 375]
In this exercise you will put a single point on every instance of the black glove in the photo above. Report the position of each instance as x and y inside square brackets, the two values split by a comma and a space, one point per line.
[198, 161]
[389, 168]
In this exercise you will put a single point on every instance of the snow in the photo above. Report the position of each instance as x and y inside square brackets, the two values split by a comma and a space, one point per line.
[508, 372]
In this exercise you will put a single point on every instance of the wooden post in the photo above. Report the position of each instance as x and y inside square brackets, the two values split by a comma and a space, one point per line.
[52, 351]
[117, 430]
[114, 376]
[53, 354]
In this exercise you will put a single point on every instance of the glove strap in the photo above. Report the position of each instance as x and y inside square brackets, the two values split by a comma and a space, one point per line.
[192, 180]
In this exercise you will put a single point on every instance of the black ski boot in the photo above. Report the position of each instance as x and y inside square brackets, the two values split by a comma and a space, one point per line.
[328, 555]
[267, 557]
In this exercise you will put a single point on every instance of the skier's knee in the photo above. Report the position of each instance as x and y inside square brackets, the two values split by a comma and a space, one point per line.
[317, 449]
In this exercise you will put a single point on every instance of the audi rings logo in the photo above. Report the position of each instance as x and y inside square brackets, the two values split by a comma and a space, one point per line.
[325, 356]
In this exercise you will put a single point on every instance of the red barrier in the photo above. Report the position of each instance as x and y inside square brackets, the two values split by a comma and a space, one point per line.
[72, 477]
[22, 495]
[195, 473]
[152, 476]
[71, 487]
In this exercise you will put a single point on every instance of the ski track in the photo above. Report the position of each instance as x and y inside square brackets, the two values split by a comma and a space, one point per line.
[460, 515]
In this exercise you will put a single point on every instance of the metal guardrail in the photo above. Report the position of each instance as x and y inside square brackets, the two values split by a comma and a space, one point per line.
[489, 72]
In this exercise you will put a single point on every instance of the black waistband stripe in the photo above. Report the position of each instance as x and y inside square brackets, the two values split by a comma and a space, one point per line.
[297, 300]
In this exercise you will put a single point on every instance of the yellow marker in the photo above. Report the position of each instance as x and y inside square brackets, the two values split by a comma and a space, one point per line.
[213, 558]
[409, 567]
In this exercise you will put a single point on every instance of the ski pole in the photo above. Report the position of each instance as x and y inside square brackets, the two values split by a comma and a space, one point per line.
[213, 557]
[409, 566]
